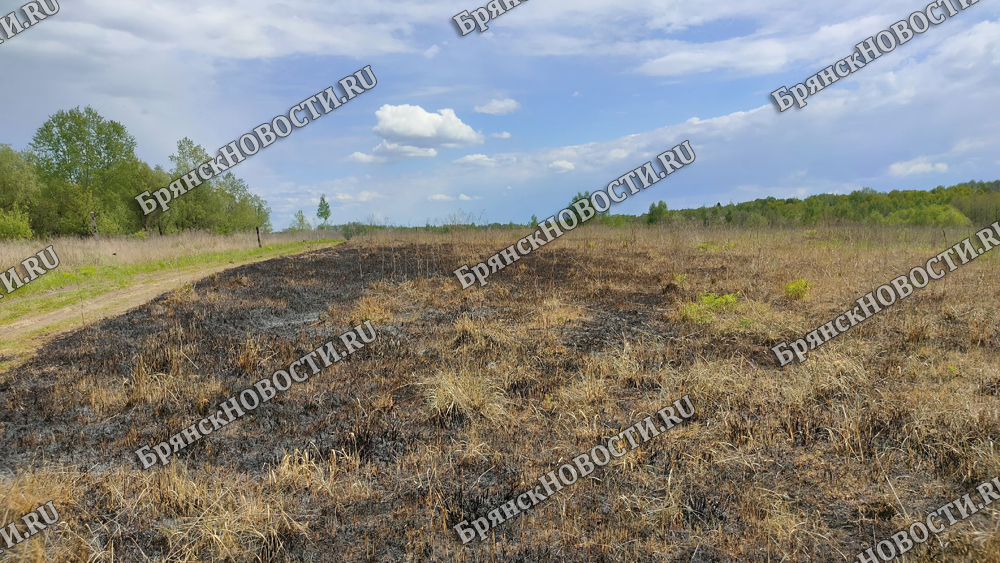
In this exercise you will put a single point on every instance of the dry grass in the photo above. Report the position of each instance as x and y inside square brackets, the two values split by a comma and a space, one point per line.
[468, 397]
[75, 252]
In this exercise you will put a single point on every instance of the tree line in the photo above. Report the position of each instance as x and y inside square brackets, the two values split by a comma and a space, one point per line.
[78, 162]
[968, 203]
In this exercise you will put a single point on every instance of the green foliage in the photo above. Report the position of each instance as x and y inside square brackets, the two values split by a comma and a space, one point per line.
[300, 224]
[703, 311]
[756, 220]
[79, 146]
[355, 228]
[85, 163]
[976, 203]
[242, 210]
[657, 213]
[14, 225]
[78, 163]
[616, 220]
[797, 289]
[980, 206]
[932, 215]
[713, 302]
[19, 184]
[323, 212]
[579, 196]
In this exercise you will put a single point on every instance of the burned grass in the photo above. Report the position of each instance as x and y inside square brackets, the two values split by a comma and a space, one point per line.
[466, 398]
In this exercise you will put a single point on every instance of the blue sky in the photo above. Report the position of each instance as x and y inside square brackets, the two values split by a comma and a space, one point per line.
[570, 95]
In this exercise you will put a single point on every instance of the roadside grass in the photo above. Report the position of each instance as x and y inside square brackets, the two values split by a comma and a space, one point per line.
[14, 351]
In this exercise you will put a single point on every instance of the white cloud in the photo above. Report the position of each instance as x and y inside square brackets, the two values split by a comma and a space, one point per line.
[777, 36]
[464, 197]
[368, 196]
[414, 126]
[361, 197]
[402, 151]
[255, 28]
[916, 166]
[431, 51]
[426, 91]
[499, 107]
[441, 197]
[477, 159]
[500, 135]
[618, 153]
[576, 94]
[364, 158]
[562, 166]
[756, 54]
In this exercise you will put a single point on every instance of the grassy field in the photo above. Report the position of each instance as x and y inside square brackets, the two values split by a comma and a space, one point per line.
[466, 398]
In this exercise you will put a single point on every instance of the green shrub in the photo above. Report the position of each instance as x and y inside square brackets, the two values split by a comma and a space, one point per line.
[14, 225]
[715, 302]
[931, 215]
[797, 289]
[756, 220]
[703, 311]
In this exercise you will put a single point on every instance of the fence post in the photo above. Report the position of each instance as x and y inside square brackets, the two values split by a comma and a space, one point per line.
[259, 245]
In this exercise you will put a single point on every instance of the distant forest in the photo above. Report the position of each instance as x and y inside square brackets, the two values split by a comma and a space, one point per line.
[975, 203]
[78, 163]
[967, 204]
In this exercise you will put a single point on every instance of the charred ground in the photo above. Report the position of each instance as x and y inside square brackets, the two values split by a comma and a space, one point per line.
[466, 398]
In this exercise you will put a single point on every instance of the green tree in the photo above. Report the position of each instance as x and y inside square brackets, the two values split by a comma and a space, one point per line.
[576, 198]
[657, 213]
[300, 223]
[200, 208]
[223, 204]
[117, 210]
[19, 185]
[324, 210]
[76, 146]
[14, 225]
[242, 210]
[83, 161]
